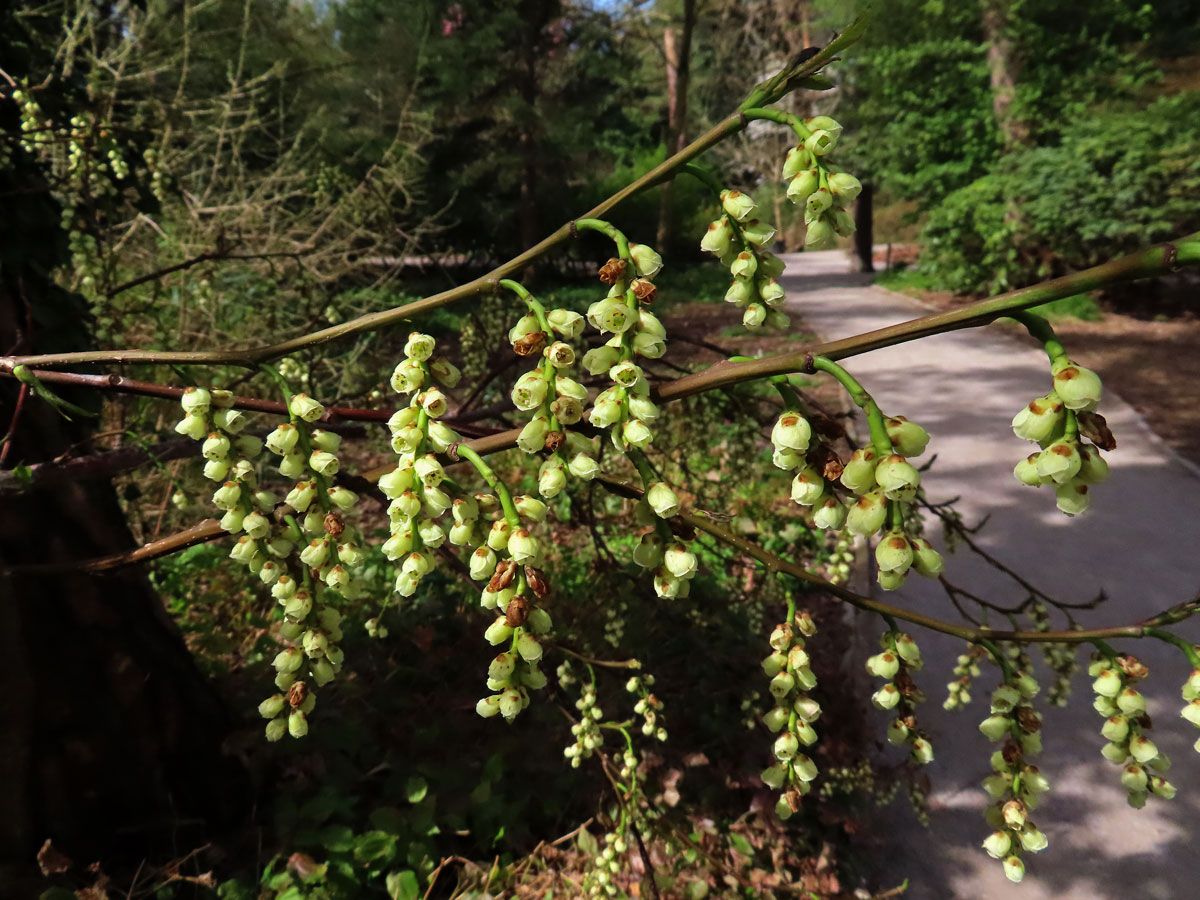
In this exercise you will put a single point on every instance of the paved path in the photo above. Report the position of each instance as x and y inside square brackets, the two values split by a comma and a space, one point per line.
[1140, 542]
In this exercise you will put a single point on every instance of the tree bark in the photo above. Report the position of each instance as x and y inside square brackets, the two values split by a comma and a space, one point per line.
[111, 738]
[677, 50]
[1004, 67]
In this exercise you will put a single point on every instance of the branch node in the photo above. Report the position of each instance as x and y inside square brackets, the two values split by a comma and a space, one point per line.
[743, 118]
[809, 366]
[452, 452]
[573, 229]
[1170, 255]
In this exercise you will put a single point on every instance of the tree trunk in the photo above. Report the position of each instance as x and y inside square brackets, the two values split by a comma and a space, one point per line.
[111, 738]
[1004, 66]
[678, 54]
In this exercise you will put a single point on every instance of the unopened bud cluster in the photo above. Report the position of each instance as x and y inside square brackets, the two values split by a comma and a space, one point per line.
[600, 881]
[792, 680]
[739, 240]
[416, 489]
[899, 658]
[648, 706]
[823, 189]
[329, 551]
[1125, 725]
[1061, 659]
[625, 408]
[1065, 461]
[555, 398]
[673, 563]
[859, 495]
[966, 668]
[1015, 785]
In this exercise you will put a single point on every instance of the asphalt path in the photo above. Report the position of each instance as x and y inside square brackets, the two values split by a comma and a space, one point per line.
[1139, 543]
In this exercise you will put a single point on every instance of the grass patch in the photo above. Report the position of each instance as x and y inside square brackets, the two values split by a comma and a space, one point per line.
[1079, 306]
[913, 282]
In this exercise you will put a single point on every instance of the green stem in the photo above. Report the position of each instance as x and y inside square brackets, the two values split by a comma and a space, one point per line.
[1039, 329]
[875, 420]
[1189, 650]
[535, 305]
[780, 117]
[999, 657]
[704, 176]
[494, 482]
[611, 231]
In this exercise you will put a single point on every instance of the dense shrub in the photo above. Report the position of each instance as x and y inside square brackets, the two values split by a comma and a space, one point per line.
[1117, 181]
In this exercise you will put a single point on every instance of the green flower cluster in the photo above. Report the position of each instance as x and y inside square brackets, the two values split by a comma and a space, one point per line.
[900, 657]
[1191, 693]
[1052, 422]
[674, 564]
[1061, 659]
[625, 407]
[966, 668]
[738, 239]
[824, 189]
[648, 706]
[1125, 725]
[795, 710]
[555, 399]
[1014, 785]
[314, 520]
[417, 487]
[879, 490]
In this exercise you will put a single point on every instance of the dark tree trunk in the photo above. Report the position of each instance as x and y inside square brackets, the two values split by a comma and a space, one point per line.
[111, 738]
[677, 50]
[864, 231]
[1004, 66]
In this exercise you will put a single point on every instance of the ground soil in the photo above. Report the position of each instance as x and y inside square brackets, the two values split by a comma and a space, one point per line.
[1153, 365]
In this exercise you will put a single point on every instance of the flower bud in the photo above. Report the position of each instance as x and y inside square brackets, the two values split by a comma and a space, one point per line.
[1014, 869]
[230, 421]
[844, 187]
[1108, 683]
[1040, 420]
[786, 746]
[926, 560]
[533, 436]
[523, 547]
[744, 266]
[758, 232]
[894, 553]
[1134, 778]
[216, 470]
[1143, 749]
[830, 514]
[305, 407]
[1059, 462]
[897, 477]
[583, 466]
[807, 487]
[679, 560]
[636, 434]
[1077, 387]
[819, 234]
[566, 323]
[195, 400]
[552, 479]
[646, 261]
[803, 185]
[858, 475]
[600, 359]
[215, 446]
[445, 372]
[754, 316]
[717, 238]
[886, 697]
[1072, 498]
[792, 431]
[529, 391]
[738, 205]
[867, 515]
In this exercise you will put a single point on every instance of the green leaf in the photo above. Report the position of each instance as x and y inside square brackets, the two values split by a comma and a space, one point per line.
[587, 843]
[697, 890]
[56, 893]
[375, 847]
[740, 844]
[403, 885]
[337, 838]
[388, 818]
[415, 789]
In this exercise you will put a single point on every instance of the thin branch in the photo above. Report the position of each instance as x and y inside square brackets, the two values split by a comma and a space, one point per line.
[776, 564]
[200, 533]
[212, 256]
